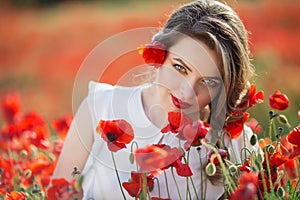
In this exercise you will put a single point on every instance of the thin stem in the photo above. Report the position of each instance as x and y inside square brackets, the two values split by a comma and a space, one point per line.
[178, 191]
[158, 186]
[270, 129]
[294, 192]
[116, 170]
[188, 192]
[194, 187]
[167, 185]
[131, 150]
[201, 175]
[230, 140]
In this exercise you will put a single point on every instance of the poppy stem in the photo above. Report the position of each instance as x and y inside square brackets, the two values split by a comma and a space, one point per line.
[172, 170]
[116, 170]
[158, 186]
[167, 186]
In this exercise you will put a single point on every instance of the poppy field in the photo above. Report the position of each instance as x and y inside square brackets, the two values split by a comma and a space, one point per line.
[42, 49]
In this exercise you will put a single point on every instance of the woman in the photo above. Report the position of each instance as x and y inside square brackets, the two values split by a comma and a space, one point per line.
[202, 73]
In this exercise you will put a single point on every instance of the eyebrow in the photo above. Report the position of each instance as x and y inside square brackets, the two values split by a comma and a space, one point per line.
[185, 65]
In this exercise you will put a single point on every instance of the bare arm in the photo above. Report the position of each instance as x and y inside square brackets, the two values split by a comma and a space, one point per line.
[77, 145]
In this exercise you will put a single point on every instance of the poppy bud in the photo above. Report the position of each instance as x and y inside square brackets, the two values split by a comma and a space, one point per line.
[270, 148]
[283, 120]
[131, 158]
[27, 173]
[253, 139]
[23, 153]
[210, 169]
[272, 114]
[233, 169]
[280, 192]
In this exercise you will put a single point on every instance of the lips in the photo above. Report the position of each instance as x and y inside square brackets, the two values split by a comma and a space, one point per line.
[180, 104]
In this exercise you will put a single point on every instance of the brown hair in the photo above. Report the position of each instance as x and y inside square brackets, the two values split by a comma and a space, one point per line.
[220, 28]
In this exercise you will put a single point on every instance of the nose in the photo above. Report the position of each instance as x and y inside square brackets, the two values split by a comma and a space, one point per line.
[188, 89]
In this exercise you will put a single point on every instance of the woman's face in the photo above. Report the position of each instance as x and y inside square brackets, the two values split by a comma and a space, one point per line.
[189, 79]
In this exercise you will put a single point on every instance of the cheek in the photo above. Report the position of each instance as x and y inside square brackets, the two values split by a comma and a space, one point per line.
[203, 100]
[205, 96]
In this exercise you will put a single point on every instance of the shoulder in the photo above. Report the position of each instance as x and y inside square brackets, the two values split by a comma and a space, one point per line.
[96, 87]
[105, 98]
[100, 88]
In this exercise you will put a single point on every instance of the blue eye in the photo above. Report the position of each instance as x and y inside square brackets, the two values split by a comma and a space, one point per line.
[180, 68]
[209, 82]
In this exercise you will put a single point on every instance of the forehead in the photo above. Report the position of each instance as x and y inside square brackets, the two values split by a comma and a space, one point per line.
[197, 55]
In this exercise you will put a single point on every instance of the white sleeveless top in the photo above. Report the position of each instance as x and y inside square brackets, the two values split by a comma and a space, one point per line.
[108, 102]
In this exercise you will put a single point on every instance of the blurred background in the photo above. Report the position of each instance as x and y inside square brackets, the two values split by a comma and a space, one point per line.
[44, 42]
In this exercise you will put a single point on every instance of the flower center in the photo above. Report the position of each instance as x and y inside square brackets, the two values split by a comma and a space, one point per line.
[111, 137]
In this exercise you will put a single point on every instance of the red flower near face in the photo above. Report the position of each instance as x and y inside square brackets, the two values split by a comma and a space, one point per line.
[11, 107]
[193, 133]
[255, 98]
[279, 101]
[14, 195]
[247, 188]
[294, 138]
[62, 125]
[134, 186]
[151, 158]
[154, 158]
[236, 127]
[116, 133]
[173, 159]
[153, 53]
[177, 121]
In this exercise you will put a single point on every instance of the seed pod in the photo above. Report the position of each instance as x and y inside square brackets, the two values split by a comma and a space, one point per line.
[210, 169]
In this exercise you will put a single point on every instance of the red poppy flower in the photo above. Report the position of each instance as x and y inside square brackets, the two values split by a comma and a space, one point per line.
[236, 127]
[193, 133]
[278, 101]
[62, 125]
[59, 190]
[246, 165]
[14, 195]
[247, 188]
[173, 159]
[11, 107]
[134, 186]
[177, 121]
[299, 114]
[153, 53]
[151, 158]
[294, 138]
[255, 98]
[290, 165]
[116, 133]
[277, 159]
[213, 159]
